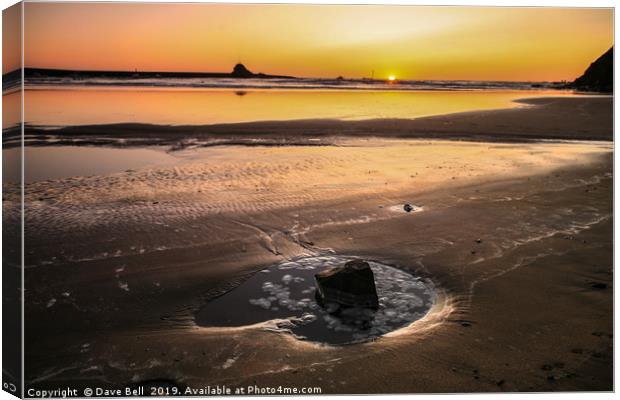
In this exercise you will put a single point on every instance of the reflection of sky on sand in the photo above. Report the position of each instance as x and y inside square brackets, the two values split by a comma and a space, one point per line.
[54, 162]
[286, 291]
[353, 164]
[83, 106]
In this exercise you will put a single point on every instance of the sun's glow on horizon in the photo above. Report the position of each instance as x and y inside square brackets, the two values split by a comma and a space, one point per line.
[475, 43]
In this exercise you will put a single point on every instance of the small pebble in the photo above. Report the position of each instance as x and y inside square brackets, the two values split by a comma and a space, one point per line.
[598, 285]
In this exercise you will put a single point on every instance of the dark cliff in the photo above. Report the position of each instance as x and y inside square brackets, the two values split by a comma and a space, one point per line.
[599, 77]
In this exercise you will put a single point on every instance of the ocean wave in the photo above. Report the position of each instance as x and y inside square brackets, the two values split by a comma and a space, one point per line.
[33, 82]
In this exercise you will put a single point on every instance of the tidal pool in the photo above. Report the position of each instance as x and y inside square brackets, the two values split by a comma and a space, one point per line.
[57, 162]
[286, 291]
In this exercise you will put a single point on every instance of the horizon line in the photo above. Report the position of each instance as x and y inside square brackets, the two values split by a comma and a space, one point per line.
[273, 75]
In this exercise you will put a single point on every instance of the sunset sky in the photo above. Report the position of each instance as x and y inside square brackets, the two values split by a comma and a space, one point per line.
[320, 41]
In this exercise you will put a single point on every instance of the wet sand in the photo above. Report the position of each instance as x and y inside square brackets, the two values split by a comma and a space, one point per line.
[119, 265]
[560, 118]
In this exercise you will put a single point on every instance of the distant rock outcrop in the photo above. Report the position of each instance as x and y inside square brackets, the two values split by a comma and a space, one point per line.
[240, 71]
[352, 285]
[599, 77]
[40, 76]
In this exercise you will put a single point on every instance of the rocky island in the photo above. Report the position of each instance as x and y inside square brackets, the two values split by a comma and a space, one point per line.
[33, 75]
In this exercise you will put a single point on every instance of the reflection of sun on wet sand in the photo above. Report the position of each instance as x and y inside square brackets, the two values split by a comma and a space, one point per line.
[570, 118]
[516, 238]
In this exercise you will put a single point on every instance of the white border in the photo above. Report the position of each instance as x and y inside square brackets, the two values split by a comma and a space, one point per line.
[539, 3]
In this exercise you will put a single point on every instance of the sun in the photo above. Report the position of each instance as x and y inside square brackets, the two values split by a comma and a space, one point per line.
[391, 78]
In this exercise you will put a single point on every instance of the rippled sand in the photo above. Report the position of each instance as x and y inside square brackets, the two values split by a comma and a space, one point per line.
[241, 181]
[118, 265]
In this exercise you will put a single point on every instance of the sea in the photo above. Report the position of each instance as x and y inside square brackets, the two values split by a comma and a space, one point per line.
[57, 102]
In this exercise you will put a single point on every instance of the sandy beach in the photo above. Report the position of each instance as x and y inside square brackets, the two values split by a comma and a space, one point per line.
[513, 232]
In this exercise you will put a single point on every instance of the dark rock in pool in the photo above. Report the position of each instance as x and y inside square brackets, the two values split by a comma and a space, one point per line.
[352, 285]
[408, 207]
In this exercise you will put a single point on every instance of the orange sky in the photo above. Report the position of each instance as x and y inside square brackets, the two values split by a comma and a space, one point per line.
[320, 41]
[11, 38]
